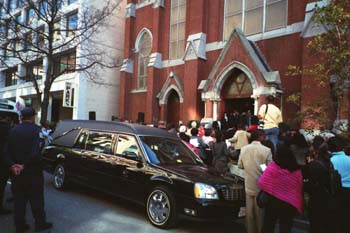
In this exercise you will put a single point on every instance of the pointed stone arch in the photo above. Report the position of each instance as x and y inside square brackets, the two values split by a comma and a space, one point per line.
[225, 73]
[167, 93]
[172, 83]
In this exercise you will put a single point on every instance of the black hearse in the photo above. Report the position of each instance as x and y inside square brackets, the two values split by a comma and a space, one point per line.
[142, 164]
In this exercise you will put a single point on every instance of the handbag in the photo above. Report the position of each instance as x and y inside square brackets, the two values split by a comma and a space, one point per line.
[261, 122]
[263, 199]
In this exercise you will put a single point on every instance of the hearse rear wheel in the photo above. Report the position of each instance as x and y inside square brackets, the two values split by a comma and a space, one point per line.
[60, 177]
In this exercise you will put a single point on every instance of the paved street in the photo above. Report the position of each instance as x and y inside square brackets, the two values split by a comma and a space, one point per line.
[81, 210]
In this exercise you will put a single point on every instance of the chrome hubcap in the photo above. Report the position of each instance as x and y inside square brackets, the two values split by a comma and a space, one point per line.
[59, 176]
[159, 207]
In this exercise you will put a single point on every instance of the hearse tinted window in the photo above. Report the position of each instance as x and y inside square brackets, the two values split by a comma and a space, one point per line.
[127, 146]
[80, 143]
[99, 142]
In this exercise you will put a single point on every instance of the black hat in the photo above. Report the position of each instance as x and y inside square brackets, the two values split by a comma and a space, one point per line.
[28, 112]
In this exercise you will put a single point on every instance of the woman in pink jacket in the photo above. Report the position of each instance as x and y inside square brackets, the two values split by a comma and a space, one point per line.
[283, 180]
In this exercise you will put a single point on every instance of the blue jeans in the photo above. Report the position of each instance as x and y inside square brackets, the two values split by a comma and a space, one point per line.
[272, 135]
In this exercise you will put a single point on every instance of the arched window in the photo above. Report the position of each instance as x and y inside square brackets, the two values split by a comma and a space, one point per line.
[144, 48]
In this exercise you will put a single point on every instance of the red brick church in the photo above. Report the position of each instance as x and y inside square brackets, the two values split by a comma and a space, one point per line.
[196, 59]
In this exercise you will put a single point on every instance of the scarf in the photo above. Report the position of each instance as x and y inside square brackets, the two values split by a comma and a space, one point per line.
[284, 185]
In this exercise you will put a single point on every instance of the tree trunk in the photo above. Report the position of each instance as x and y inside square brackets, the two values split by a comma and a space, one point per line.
[45, 105]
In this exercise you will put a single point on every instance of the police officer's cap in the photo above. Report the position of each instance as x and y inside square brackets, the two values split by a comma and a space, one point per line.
[28, 112]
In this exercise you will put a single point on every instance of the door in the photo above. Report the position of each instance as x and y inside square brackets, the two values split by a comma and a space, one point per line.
[173, 108]
[242, 105]
[98, 159]
[129, 167]
[77, 157]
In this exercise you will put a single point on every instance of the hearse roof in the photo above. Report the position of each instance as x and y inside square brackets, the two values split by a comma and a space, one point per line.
[67, 130]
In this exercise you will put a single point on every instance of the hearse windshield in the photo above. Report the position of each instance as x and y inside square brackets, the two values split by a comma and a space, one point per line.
[169, 151]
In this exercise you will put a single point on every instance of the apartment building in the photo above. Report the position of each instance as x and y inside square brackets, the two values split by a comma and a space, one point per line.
[73, 94]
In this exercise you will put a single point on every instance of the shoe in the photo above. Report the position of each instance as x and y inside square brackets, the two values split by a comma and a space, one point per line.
[23, 228]
[44, 226]
[5, 211]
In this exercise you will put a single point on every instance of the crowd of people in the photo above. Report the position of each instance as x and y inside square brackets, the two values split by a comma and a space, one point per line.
[280, 168]
[282, 164]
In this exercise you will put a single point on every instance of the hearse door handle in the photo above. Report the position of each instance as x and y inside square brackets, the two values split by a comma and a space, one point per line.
[125, 173]
[83, 156]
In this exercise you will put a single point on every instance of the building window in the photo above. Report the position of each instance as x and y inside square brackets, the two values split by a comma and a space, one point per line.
[254, 16]
[144, 48]
[58, 4]
[57, 31]
[8, 50]
[254, 10]
[143, 1]
[17, 23]
[28, 41]
[276, 12]
[43, 8]
[177, 29]
[11, 77]
[65, 63]
[17, 46]
[12, 5]
[72, 24]
[72, 1]
[30, 15]
[41, 38]
[11, 26]
[20, 3]
[3, 30]
[2, 9]
[35, 71]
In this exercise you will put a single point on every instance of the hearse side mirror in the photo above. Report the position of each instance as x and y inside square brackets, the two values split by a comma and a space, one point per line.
[132, 155]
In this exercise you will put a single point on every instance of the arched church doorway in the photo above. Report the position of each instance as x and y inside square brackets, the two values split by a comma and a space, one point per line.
[173, 108]
[236, 94]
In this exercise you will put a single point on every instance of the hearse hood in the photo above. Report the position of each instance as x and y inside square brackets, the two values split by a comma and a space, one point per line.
[198, 173]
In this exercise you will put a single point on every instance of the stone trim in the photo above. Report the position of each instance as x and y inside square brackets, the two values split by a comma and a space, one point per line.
[251, 52]
[214, 94]
[310, 27]
[136, 91]
[155, 60]
[158, 3]
[128, 66]
[164, 93]
[171, 63]
[196, 47]
[130, 10]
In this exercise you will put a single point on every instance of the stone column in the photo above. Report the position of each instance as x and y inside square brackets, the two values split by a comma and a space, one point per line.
[215, 110]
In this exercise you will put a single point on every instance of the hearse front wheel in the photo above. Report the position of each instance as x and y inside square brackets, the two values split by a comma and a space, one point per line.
[161, 207]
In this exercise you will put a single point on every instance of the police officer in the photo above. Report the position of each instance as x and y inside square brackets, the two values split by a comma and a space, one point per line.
[23, 156]
[5, 127]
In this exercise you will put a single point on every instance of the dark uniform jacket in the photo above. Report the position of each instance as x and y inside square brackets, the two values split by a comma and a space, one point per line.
[4, 131]
[24, 147]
